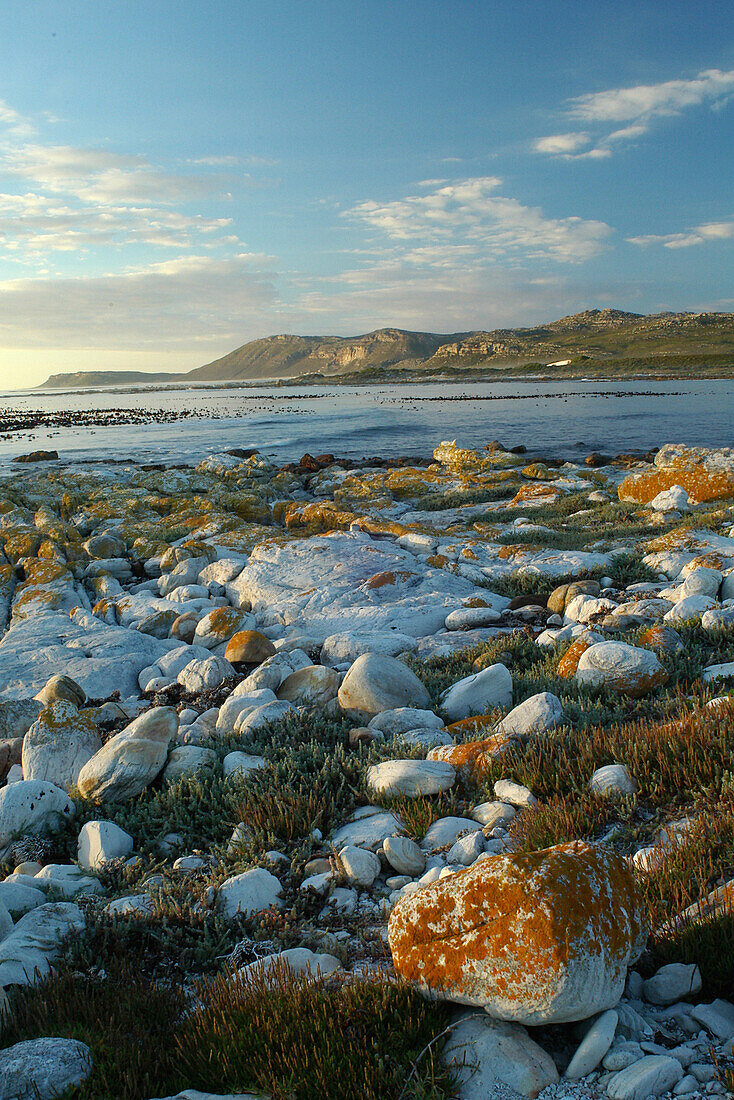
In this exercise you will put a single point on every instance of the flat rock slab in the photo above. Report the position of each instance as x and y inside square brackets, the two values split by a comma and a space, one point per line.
[323, 582]
[650, 1077]
[101, 658]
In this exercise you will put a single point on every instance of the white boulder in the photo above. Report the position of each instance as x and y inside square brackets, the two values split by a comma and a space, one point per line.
[100, 842]
[479, 693]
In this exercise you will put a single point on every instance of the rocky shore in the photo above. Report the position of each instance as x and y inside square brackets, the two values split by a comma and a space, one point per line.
[410, 779]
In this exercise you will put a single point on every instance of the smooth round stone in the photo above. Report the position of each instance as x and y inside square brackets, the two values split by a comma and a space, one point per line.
[130, 760]
[403, 720]
[672, 983]
[361, 867]
[33, 807]
[102, 841]
[538, 714]
[184, 627]
[249, 647]
[467, 618]
[493, 814]
[202, 675]
[187, 760]
[188, 863]
[107, 545]
[368, 830]
[219, 626]
[702, 582]
[426, 738]
[612, 781]
[314, 685]
[375, 683]
[514, 793]
[650, 1077]
[690, 609]
[59, 743]
[300, 960]
[43, 1069]
[674, 499]
[249, 893]
[60, 688]
[620, 667]
[447, 830]
[478, 694]
[404, 855]
[593, 1046]
[240, 763]
[30, 867]
[411, 777]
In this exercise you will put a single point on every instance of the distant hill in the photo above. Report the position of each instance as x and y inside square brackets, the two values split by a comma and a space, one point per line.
[286, 356]
[603, 337]
[91, 378]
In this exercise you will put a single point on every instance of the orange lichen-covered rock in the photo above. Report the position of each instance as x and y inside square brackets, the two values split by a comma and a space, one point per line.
[475, 724]
[472, 759]
[249, 647]
[569, 662]
[705, 474]
[389, 577]
[437, 561]
[539, 937]
[321, 516]
[662, 638]
[536, 493]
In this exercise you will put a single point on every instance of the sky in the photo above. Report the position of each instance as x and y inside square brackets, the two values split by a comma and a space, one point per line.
[180, 177]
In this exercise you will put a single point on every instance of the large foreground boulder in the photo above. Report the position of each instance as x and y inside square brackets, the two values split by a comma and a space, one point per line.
[537, 938]
[131, 759]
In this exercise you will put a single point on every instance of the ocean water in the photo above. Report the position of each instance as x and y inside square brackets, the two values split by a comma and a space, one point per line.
[561, 419]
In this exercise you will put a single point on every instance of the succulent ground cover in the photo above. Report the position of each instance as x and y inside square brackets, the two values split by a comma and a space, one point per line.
[329, 561]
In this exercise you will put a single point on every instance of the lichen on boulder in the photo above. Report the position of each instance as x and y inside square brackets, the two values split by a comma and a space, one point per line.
[538, 938]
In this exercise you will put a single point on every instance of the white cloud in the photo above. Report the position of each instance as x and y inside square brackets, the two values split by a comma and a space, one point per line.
[33, 225]
[67, 199]
[647, 100]
[457, 299]
[638, 106]
[99, 176]
[13, 123]
[561, 143]
[186, 302]
[470, 212]
[700, 234]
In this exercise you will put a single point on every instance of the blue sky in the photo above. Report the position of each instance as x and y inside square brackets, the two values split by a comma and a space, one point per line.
[177, 178]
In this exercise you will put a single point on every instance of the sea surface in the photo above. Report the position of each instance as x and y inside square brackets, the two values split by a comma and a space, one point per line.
[562, 419]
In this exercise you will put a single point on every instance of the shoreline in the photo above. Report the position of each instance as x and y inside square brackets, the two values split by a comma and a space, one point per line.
[265, 729]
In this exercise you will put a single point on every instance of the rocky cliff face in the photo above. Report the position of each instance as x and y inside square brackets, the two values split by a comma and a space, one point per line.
[595, 333]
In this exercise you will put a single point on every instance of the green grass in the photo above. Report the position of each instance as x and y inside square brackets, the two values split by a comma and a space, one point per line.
[292, 1039]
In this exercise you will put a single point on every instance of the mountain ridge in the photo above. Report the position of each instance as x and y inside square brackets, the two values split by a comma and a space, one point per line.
[594, 334]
